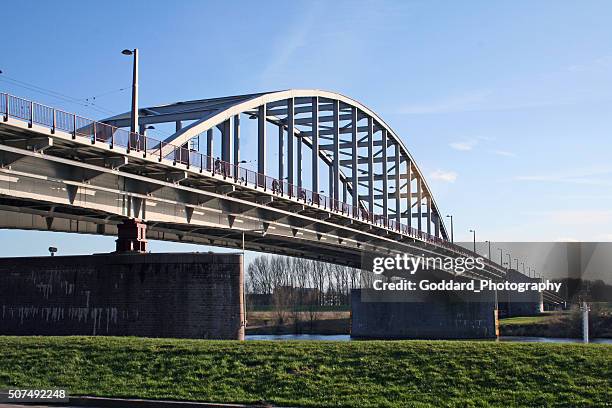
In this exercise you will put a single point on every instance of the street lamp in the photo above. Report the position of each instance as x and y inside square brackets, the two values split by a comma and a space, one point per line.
[501, 256]
[474, 235]
[452, 229]
[509, 261]
[516, 259]
[145, 128]
[489, 250]
[134, 117]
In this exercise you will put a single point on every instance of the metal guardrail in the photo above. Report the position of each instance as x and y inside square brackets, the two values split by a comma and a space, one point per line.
[97, 132]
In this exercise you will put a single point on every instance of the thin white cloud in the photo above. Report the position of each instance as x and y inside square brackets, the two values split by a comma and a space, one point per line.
[461, 103]
[288, 44]
[504, 153]
[566, 180]
[446, 176]
[598, 64]
[595, 176]
[578, 217]
[464, 146]
[489, 101]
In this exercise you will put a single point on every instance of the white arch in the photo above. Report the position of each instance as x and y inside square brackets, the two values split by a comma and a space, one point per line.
[222, 109]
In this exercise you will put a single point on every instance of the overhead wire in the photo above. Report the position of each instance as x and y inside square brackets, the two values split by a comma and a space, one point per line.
[63, 97]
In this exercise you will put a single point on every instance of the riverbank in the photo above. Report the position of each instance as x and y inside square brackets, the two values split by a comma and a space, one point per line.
[315, 374]
[321, 322]
[556, 324]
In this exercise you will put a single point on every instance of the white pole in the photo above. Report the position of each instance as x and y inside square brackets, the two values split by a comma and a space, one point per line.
[585, 322]
[244, 294]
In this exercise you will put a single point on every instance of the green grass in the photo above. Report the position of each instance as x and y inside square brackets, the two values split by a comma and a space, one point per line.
[316, 374]
[525, 320]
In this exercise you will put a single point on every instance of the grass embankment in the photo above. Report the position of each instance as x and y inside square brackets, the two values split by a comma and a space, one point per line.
[525, 320]
[315, 374]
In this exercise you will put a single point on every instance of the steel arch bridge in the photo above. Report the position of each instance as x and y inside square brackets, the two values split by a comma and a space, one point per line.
[62, 172]
[370, 171]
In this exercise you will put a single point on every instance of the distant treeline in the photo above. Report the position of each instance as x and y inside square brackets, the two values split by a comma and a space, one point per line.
[296, 282]
[576, 290]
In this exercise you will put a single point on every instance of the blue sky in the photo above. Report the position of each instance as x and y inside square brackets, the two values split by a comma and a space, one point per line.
[505, 105]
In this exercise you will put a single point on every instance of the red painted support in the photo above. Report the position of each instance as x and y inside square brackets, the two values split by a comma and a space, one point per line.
[132, 236]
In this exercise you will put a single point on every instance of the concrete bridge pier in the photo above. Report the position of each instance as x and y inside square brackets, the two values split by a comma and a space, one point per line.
[423, 315]
[513, 303]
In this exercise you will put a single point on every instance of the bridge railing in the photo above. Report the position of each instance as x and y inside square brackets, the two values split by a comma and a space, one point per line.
[97, 132]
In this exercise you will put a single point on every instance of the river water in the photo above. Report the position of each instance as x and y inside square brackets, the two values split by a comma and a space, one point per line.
[346, 337]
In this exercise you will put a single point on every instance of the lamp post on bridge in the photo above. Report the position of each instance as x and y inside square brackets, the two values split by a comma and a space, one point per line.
[501, 256]
[509, 261]
[134, 116]
[452, 229]
[474, 236]
[489, 242]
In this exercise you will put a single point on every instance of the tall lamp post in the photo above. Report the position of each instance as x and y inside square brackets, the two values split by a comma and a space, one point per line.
[489, 242]
[474, 236]
[134, 117]
[452, 229]
[501, 256]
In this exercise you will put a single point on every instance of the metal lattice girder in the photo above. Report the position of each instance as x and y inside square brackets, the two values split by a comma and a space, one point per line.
[358, 147]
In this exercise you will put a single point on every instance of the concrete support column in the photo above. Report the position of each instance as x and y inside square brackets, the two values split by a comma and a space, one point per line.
[290, 137]
[336, 164]
[261, 140]
[237, 140]
[371, 165]
[315, 144]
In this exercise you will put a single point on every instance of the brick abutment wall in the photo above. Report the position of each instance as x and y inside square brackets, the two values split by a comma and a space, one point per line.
[181, 295]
